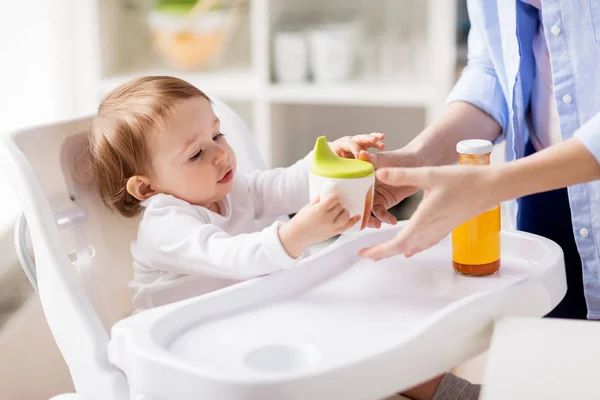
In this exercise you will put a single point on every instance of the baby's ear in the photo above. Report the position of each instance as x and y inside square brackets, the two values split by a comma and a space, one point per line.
[139, 187]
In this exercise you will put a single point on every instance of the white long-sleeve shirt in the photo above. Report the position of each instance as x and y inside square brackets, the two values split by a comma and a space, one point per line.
[183, 250]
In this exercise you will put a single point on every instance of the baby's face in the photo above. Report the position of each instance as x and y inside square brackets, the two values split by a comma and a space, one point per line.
[190, 157]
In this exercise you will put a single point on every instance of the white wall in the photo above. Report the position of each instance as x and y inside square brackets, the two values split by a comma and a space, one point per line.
[41, 79]
[38, 81]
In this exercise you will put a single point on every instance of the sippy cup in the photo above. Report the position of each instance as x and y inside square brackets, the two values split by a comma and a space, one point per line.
[353, 180]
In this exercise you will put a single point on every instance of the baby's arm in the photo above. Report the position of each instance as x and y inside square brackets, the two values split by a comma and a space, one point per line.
[279, 191]
[175, 236]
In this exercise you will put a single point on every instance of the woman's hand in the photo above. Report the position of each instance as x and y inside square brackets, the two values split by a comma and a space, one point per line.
[387, 196]
[453, 194]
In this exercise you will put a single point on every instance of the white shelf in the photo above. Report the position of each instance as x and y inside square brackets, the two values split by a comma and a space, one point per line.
[358, 93]
[228, 85]
[240, 85]
[277, 113]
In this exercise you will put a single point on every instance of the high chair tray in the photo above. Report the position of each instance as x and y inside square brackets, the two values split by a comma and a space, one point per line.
[336, 326]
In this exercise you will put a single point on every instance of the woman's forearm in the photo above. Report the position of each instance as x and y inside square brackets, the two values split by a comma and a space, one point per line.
[436, 145]
[562, 165]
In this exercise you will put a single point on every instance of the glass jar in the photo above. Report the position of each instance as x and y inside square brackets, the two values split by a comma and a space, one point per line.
[476, 243]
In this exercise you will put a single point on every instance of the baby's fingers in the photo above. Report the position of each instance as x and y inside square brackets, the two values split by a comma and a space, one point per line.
[330, 202]
[341, 218]
[351, 222]
[350, 146]
[370, 140]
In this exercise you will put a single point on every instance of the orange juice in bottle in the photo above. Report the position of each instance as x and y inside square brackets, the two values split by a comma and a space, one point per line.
[476, 243]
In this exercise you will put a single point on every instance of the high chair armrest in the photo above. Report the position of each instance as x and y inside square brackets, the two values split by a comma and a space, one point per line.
[532, 358]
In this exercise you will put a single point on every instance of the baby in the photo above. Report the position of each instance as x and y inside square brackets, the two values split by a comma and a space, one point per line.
[157, 148]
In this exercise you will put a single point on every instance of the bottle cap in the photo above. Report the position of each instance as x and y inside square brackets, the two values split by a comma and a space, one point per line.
[474, 147]
[328, 164]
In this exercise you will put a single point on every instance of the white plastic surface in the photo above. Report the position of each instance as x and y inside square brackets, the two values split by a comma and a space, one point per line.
[543, 359]
[336, 326]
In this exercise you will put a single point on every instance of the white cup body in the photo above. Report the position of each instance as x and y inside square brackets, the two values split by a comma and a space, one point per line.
[356, 195]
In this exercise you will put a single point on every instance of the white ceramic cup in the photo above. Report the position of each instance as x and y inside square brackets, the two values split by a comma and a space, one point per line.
[333, 51]
[356, 195]
[290, 59]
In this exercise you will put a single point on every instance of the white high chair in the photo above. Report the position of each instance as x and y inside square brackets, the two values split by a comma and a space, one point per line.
[335, 327]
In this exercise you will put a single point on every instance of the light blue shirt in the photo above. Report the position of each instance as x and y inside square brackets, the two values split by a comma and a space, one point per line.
[499, 79]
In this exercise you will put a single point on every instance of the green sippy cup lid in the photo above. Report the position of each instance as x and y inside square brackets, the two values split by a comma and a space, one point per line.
[328, 164]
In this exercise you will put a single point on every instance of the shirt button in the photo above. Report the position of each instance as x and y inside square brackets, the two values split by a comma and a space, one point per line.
[555, 30]
[567, 99]
[584, 232]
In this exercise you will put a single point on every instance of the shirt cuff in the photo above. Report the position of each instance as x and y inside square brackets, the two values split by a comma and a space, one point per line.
[275, 250]
[482, 89]
[589, 134]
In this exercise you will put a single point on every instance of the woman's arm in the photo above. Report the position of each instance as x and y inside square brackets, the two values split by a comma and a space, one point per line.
[477, 105]
[453, 194]
[436, 145]
[559, 166]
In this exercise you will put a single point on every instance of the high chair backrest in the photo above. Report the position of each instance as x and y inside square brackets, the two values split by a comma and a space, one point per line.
[80, 248]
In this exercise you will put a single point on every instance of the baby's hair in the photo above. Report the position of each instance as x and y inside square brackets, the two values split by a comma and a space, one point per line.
[119, 132]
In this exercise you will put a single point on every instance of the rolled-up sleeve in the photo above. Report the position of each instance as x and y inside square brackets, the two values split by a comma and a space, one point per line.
[478, 83]
[589, 134]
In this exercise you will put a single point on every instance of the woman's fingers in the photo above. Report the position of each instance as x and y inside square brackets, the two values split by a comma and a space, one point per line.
[368, 157]
[407, 241]
[384, 215]
[390, 248]
[414, 177]
[451, 197]
[373, 222]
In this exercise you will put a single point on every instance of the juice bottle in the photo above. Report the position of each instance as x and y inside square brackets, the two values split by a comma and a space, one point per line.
[476, 243]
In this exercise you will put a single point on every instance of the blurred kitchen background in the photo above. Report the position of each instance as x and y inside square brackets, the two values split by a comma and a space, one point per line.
[293, 69]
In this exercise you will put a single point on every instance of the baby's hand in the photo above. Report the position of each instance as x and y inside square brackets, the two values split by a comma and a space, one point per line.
[314, 223]
[351, 146]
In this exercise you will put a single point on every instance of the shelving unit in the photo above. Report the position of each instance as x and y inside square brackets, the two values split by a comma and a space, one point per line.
[246, 79]
[367, 94]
